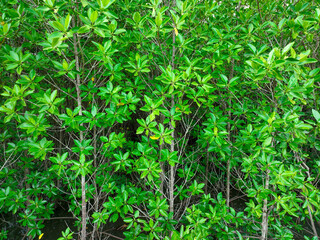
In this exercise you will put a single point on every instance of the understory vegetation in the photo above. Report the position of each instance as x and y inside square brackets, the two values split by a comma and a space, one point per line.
[194, 119]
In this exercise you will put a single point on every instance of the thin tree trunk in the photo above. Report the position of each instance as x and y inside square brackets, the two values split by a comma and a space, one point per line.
[228, 183]
[228, 161]
[229, 138]
[162, 176]
[83, 208]
[264, 224]
[312, 223]
[172, 168]
[96, 197]
[207, 171]
[26, 173]
[305, 166]
[83, 178]
[172, 172]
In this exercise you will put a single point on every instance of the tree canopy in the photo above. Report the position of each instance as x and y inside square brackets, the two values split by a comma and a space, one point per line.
[161, 114]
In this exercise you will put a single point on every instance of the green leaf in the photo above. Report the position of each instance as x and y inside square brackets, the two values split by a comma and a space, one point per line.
[253, 48]
[12, 66]
[67, 22]
[303, 126]
[287, 48]
[316, 115]
[99, 32]
[6, 28]
[57, 25]
[159, 19]
[84, 29]
[267, 142]
[224, 78]
[136, 17]
[308, 61]
[93, 16]
[14, 55]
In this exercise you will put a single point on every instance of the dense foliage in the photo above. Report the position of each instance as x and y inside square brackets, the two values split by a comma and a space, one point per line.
[161, 113]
